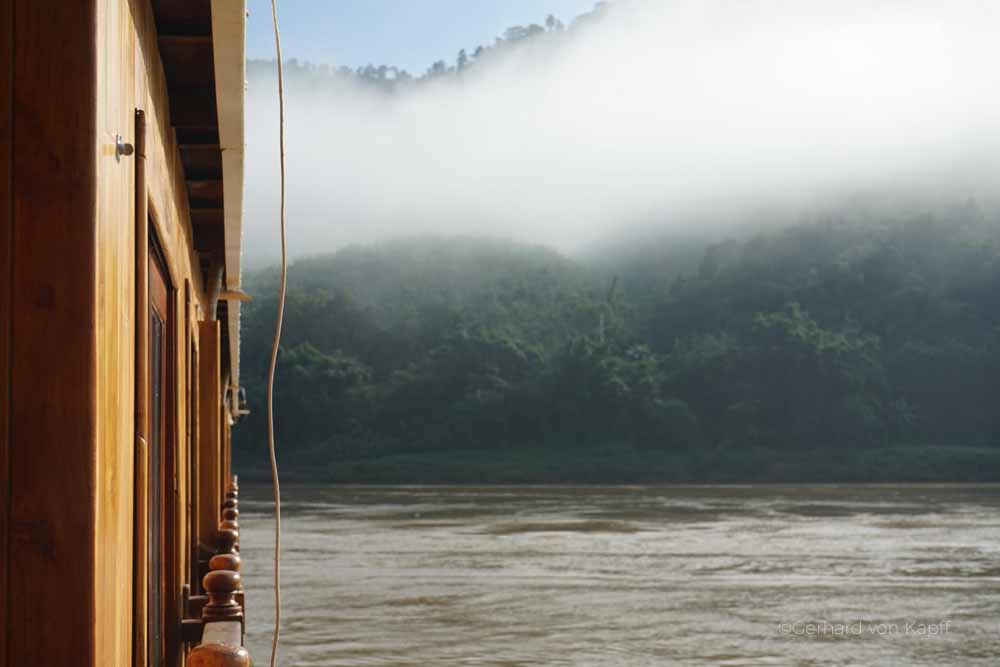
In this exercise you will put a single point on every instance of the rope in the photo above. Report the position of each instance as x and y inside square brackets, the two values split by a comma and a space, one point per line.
[274, 349]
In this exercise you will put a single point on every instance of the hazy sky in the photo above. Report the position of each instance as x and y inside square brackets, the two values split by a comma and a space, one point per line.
[671, 113]
[407, 33]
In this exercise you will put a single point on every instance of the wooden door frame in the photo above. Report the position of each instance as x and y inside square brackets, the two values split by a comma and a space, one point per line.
[141, 479]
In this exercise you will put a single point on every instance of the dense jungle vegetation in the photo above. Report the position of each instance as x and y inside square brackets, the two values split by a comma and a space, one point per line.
[860, 347]
[863, 345]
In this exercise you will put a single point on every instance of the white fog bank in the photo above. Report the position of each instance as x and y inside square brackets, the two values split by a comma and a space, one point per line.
[664, 112]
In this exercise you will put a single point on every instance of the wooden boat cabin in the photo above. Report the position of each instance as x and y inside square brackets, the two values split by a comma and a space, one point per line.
[121, 185]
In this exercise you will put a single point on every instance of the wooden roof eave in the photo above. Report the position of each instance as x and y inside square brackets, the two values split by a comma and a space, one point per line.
[202, 46]
[229, 52]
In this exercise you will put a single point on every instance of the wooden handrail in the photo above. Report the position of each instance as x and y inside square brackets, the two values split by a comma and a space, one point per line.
[221, 647]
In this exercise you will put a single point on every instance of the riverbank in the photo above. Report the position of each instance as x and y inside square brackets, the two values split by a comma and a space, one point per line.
[626, 465]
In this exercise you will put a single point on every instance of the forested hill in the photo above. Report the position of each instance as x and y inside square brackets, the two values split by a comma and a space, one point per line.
[842, 349]
[541, 39]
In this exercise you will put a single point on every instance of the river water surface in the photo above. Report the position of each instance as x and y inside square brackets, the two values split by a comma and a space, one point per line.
[628, 576]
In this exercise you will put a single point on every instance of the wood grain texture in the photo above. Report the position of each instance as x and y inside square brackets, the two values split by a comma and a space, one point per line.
[163, 301]
[53, 422]
[133, 77]
[116, 283]
[195, 480]
[130, 77]
[6, 204]
[191, 445]
[209, 413]
[70, 329]
[166, 177]
[227, 451]
[140, 399]
[141, 554]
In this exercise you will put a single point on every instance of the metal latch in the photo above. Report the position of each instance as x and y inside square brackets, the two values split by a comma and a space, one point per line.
[122, 148]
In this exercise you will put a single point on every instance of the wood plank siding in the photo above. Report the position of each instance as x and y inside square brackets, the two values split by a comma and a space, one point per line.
[209, 414]
[6, 266]
[53, 335]
[75, 474]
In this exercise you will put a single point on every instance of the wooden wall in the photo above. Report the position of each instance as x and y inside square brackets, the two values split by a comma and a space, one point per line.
[209, 387]
[115, 341]
[53, 335]
[72, 75]
[131, 76]
[6, 206]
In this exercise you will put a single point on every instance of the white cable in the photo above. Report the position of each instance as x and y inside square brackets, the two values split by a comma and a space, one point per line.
[274, 349]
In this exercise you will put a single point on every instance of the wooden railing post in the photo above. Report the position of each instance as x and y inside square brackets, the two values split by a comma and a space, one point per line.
[221, 587]
[221, 626]
[220, 567]
[229, 514]
[216, 653]
[222, 616]
[228, 538]
[228, 557]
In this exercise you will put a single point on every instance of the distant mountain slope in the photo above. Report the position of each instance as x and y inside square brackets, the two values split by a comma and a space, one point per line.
[850, 334]
[415, 291]
[550, 33]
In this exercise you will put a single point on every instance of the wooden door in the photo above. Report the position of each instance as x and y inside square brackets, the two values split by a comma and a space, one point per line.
[160, 458]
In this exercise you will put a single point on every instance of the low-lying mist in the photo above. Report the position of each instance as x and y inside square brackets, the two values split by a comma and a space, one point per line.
[656, 114]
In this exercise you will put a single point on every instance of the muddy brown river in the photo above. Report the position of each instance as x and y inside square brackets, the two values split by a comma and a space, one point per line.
[628, 576]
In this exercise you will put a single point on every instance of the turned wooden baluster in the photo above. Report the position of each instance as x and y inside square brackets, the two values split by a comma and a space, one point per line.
[224, 602]
[228, 556]
[227, 539]
[232, 492]
[220, 587]
[218, 653]
[228, 524]
[227, 559]
[231, 511]
[223, 617]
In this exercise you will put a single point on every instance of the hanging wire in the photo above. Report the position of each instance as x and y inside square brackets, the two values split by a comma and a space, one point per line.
[274, 348]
